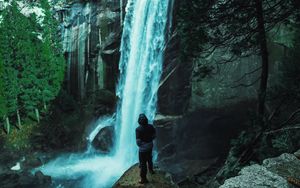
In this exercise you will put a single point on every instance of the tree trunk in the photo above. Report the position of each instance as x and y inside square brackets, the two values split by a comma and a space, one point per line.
[37, 115]
[7, 125]
[19, 119]
[45, 106]
[265, 60]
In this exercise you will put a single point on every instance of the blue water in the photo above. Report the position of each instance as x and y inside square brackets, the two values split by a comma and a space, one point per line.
[145, 28]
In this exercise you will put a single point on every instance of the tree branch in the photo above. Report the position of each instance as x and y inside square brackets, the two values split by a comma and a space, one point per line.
[246, 85]
[282, 130]
[248, 73]
[290, 118]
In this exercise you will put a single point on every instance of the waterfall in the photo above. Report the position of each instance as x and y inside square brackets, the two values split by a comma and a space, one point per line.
[140, 66]
[143, 41]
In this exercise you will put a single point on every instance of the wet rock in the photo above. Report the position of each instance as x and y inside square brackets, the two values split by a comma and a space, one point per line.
[104, 139]
[41, 178]
[131, 177]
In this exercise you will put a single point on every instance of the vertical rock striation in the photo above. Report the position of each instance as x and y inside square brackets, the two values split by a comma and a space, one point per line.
[90, 34]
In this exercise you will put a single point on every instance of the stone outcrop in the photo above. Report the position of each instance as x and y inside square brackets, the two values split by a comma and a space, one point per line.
[254, 176]
[272, 173]
[131, 177]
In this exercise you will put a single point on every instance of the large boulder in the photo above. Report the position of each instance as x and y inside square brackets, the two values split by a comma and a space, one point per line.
[272, 173]
[256, 176]
[104, 139]
[131, 177]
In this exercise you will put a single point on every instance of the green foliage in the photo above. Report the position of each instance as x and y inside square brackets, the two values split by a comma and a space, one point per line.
[19, 140]
[33, 67]
[282, 142]
[191, 31]
[230, 24]
[3, 109]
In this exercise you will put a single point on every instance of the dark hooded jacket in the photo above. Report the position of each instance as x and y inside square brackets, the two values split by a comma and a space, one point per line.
[145, 134]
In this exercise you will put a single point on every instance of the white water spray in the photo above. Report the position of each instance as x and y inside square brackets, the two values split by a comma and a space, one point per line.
[143, 42]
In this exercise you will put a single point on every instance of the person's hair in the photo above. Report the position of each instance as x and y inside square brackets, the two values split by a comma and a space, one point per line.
[143, 120]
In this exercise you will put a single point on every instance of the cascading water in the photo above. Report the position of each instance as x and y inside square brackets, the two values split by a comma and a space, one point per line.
[140, 68]
[143, 41]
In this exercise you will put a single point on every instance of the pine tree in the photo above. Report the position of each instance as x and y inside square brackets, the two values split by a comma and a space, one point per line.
[33, 67]
[10, 58]
[3, 109]
[51, 56]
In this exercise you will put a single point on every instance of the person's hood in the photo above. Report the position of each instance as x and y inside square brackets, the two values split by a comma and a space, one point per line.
[143, 120]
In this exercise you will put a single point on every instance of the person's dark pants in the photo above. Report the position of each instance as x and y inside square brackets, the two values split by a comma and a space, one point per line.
[145, 158]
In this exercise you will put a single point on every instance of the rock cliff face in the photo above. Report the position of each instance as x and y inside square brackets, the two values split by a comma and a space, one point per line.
[175, 87]
[192, 144]
[90, 34]
[212, 81]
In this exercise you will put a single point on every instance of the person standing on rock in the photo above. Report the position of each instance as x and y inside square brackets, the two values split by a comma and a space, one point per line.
[145, 134]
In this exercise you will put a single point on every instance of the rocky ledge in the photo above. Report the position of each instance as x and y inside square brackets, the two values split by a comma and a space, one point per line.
[131, 177]
[278, 172]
